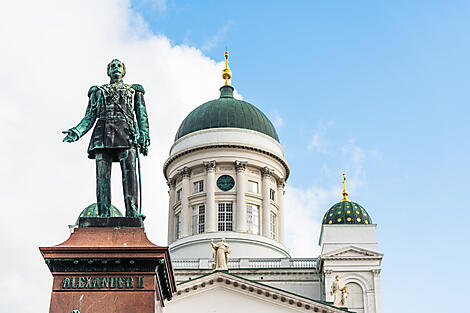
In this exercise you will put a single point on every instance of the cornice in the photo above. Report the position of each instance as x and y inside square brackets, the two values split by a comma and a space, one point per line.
[275, 295]
[225, 146]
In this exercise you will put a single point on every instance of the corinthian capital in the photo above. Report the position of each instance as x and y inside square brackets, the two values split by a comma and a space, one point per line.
[266, 172]
[281, 183]
[240, 166]
[171, 183]
[185, 172]
[210, 166]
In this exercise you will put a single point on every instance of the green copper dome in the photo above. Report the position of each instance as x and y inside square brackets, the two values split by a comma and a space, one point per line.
[226, 112]
[92, 211]
[347, 212]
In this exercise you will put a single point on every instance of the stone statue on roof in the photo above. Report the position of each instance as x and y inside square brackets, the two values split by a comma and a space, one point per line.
[220, 252]
[339, 291]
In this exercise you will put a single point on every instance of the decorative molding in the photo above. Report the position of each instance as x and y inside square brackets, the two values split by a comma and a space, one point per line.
[210, 166]
[226, 146]
[351, 252]
[281, 183]
[276, 296]
[171, 183]
[185, 172]
[376, 272]
[328, 273]
[240, 166]
[266, 172]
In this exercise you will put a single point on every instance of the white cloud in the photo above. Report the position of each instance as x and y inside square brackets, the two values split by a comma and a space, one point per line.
[304, 209]
[214, 40]
[277, 120]
[318, 142]
[51, 54]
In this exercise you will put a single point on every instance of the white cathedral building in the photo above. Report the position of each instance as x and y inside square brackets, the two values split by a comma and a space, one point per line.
[226, 174]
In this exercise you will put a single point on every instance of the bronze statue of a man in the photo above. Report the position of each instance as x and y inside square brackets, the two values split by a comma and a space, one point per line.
[121, 131]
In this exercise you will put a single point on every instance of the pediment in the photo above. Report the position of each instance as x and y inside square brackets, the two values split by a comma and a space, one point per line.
[351, 252]
[223, 292]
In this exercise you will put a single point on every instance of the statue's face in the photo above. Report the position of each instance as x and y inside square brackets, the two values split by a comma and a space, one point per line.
[116, 69]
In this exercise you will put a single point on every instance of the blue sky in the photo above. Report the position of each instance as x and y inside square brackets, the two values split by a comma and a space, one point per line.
[376, 89]
[383, 87]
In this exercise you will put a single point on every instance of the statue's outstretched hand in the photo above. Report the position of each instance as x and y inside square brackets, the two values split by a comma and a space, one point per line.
[71, 136]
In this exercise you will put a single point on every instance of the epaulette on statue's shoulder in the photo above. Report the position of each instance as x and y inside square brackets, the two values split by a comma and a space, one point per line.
[138, 87]
[92, 90]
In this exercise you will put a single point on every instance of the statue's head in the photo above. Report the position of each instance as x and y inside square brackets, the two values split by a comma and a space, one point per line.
[223, 239]
[337, 277]
[116, 69]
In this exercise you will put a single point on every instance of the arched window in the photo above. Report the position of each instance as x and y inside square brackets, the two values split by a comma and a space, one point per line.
[355, 301]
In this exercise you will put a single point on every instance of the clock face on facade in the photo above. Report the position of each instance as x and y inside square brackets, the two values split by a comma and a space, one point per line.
[225, 182]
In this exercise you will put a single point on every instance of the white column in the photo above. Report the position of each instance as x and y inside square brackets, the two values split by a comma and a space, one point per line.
[211, 212]
[266, 174]
[280, 203]
[185, 172]
[241, 225]
[171, 213]
[378, 306]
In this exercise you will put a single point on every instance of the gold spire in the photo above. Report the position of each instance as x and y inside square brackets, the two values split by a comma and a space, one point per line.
[227, 74]
[345, 193]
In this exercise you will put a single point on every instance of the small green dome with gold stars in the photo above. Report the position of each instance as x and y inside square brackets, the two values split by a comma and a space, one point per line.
[92, 211]
[346, 211]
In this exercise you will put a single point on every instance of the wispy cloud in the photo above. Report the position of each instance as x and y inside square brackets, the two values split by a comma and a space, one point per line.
[305, 209]
[158, 6]
[319, 142]
[278, 121]
[214, 40]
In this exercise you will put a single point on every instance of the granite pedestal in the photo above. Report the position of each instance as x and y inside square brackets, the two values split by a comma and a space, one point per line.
[101, 269]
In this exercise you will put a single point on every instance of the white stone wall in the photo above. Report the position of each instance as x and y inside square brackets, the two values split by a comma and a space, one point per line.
[257, 158]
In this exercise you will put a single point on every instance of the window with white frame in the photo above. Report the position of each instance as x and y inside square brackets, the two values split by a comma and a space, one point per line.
[252, 186]
[273, 225]
[272, 194]
[252, 214]
[199, 186]
[225, 216]
[178, 195]
[199, 219]
[178, 226]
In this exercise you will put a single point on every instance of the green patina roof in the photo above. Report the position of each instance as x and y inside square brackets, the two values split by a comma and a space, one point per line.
[226, 112]
[92, 211]
[347, 212]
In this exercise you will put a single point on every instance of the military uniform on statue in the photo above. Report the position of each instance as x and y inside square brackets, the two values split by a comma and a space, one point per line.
[108, 264]
[116, 136]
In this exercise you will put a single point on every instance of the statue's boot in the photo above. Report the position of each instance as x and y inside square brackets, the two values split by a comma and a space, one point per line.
[127, 159]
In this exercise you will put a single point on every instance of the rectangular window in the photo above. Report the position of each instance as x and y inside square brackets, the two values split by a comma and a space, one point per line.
[252, 186]
[273, 225]
[199, 186]
[252, 213]
[272, 194]
[225, 216]
[177, 226]
[178, 195]
[199, 219]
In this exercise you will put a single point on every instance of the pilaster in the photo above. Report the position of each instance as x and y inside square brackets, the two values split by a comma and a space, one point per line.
[280, 202]
[266, 174]
[185, 172]
[211, 212]
[241, 214]
[171, 214]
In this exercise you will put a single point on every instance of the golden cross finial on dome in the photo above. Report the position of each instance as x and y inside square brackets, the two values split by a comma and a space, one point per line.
[226, 74]
[345, 193]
